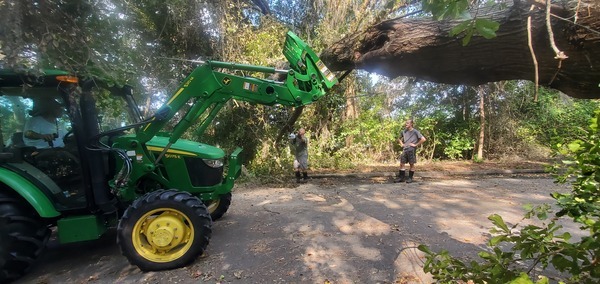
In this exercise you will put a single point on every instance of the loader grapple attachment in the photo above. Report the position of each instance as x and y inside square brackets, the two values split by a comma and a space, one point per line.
[303, 60]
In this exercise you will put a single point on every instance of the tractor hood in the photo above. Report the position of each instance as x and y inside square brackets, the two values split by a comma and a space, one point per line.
[186, 148]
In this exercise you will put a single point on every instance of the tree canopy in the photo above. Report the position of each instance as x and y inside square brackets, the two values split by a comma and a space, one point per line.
[149, 44]
[564, 55]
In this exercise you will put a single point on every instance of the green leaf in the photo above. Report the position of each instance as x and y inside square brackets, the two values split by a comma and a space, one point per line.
[465, 15]
[497, 239]
[390, 4]
[485, 255]
[424, 249]
[542, 215]
[522, 279]
[467, 38]
[499, 222]
[574, 146]
[486, 28]
[441, 15]
[560, 262]
[460, 28]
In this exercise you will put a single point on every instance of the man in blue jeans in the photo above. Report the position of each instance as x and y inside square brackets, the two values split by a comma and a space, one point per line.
[409, 139]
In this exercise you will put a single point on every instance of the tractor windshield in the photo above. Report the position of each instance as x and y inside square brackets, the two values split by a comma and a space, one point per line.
[20, 113]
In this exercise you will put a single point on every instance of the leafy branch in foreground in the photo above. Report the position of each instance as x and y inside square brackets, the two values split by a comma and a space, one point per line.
[525, 253]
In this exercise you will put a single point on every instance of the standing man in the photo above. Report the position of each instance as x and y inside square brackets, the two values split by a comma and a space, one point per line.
[300, 146]
[409, 139]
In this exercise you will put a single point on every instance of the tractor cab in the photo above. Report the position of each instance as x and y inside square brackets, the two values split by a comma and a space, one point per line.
[37, 137]
[52, 134]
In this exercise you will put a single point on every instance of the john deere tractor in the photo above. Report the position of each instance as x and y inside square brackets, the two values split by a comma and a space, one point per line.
[161, 192]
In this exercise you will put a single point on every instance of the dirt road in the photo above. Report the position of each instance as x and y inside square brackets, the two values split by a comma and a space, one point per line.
[329, 230]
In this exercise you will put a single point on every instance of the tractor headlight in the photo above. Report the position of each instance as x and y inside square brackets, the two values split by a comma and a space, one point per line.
[213, 163]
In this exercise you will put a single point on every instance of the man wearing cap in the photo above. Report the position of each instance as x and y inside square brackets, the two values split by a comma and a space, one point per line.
[42, 129]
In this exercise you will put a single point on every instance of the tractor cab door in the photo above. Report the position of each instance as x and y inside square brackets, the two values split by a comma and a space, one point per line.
[37, 131]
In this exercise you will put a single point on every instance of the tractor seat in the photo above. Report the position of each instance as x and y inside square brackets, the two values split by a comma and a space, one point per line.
[16, 140]
[17, 147]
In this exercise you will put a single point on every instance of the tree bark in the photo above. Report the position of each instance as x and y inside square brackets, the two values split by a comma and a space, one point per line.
[424, 49]
[289, 125]
[351, 109]
[481, 123]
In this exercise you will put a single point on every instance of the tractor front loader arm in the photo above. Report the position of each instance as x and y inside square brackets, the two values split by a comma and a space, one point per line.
[207, 90]
[198, 100]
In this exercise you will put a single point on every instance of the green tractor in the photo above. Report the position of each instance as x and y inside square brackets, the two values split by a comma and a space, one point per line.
[161, 192]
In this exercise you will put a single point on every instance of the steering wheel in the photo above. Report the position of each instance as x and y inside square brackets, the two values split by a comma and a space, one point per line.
[69, 137]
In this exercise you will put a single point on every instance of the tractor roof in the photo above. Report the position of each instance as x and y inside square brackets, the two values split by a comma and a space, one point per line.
[27, 83]
[45, 78]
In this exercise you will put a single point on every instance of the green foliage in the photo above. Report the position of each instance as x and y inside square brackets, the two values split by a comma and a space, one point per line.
[264, 48]
[517, 124]
[142, 43]
[367, 138]
[458, 145]
[515, 251]
[446, 9]
[552, 120]
[484, 27]
[469, 27]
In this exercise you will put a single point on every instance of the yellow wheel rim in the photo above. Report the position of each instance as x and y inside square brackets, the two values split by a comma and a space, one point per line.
[213, 205]
[163, 235]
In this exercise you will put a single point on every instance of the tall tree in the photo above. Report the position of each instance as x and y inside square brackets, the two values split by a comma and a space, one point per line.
[481, 140]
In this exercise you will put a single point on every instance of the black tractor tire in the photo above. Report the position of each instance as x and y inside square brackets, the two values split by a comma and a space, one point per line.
[164, 229]
[218, 207]
[23, 236]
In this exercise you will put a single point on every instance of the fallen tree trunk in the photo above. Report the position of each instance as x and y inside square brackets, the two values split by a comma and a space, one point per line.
[424, 49]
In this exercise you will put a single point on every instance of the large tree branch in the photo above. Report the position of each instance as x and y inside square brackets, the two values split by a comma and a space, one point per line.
[424, 49]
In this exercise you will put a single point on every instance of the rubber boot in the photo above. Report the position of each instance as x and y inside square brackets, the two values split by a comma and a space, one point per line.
[298, 177]
[410, 176]
[401, 176]
[304, 176]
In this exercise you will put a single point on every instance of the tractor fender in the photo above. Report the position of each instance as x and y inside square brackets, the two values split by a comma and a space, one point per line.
[38, 200]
